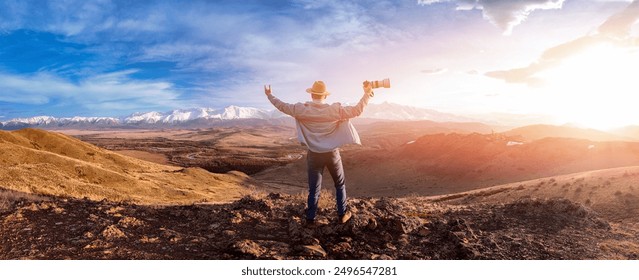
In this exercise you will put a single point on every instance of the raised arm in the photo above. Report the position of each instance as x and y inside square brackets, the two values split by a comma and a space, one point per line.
[348, 112]
[284, 107]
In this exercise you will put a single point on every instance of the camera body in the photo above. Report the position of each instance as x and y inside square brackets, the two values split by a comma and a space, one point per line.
[385, 83]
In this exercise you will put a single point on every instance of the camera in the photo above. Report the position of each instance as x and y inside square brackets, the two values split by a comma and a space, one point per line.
[385, 83]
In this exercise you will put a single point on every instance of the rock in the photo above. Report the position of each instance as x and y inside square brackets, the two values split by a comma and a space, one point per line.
[147, 239]
[390, 246]
[329, 230]
[346, 239]
[314, 241]
[396, 225]
[114, 210]
[423, 231]
[274, 249]
[249, 247]
[294, 227]
[403, 240]
[113, 232]
[253, 215]
[237, 218]
[372, 224]
[345, 245]
[381, 257]
[389, 204]
[313, 251]
[229, 233]
[128, 222]
[253, 203]
[386, 236]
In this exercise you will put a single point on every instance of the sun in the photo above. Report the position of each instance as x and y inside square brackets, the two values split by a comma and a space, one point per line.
[597, 87]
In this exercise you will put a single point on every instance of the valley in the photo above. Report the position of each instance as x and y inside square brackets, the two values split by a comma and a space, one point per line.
[418, 189]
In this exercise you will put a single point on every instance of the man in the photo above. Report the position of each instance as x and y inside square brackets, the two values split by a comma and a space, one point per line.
[323, 128]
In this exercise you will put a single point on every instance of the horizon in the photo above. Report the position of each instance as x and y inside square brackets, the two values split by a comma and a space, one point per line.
[496, 122]
[113, 58]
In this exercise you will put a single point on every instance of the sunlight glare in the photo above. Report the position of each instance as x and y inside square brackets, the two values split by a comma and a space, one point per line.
[595, 88]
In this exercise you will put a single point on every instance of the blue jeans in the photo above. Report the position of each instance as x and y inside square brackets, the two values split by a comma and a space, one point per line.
[316, 163]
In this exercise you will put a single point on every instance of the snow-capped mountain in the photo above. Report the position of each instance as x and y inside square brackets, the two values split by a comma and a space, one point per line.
[150, 118]
[203, 116]
[391, 111]
[41, 121]
[181, 116]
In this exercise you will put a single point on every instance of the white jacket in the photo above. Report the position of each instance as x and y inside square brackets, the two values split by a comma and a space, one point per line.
[323, 127]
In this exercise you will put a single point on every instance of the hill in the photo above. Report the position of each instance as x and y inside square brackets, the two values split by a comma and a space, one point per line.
[540, 131]
[449, 163]
[40, 162]
[611, 192]
[132, 211]
[269, 227]
[631, 132]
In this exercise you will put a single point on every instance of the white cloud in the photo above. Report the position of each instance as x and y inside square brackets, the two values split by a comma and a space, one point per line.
[504, 14]
[227, 50]
[614, 31]
[336, 37]
[102, 92]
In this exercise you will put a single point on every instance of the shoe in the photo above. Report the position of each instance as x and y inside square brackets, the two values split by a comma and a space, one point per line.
[345, 217]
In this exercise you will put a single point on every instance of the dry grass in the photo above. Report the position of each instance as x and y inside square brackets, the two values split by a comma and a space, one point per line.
[5, 203]
[608, 192]
[152, 157]
[40, 162]
[8, 198]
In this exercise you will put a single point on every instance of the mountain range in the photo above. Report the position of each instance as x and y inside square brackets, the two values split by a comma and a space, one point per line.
[207, 116]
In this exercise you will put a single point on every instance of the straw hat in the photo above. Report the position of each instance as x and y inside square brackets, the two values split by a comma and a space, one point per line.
[318, 88]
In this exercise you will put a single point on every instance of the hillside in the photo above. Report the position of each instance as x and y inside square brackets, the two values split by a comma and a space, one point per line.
[613, 193]
[631, 132]
[269, 227]
[40, 162]
[141, 210]
[450, 163]
[536, 132]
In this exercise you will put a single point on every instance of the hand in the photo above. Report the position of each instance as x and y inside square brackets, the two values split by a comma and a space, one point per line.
[267, 90]
[368, 87]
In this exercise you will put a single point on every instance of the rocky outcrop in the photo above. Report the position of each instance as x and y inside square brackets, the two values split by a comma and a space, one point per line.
[271, 227]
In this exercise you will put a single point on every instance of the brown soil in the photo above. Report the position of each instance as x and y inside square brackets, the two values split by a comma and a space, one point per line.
[269, 227]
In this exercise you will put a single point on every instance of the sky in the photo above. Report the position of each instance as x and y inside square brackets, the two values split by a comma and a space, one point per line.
[572, 61]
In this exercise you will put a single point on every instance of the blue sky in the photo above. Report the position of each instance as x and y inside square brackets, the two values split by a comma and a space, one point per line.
[113, 58]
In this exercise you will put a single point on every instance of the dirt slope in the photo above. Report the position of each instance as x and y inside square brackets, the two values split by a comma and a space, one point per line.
[269, 227]
[40, 162]
[451, 163]
[613, 193]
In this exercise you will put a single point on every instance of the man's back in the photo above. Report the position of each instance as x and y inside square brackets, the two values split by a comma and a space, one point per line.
[323, 127]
